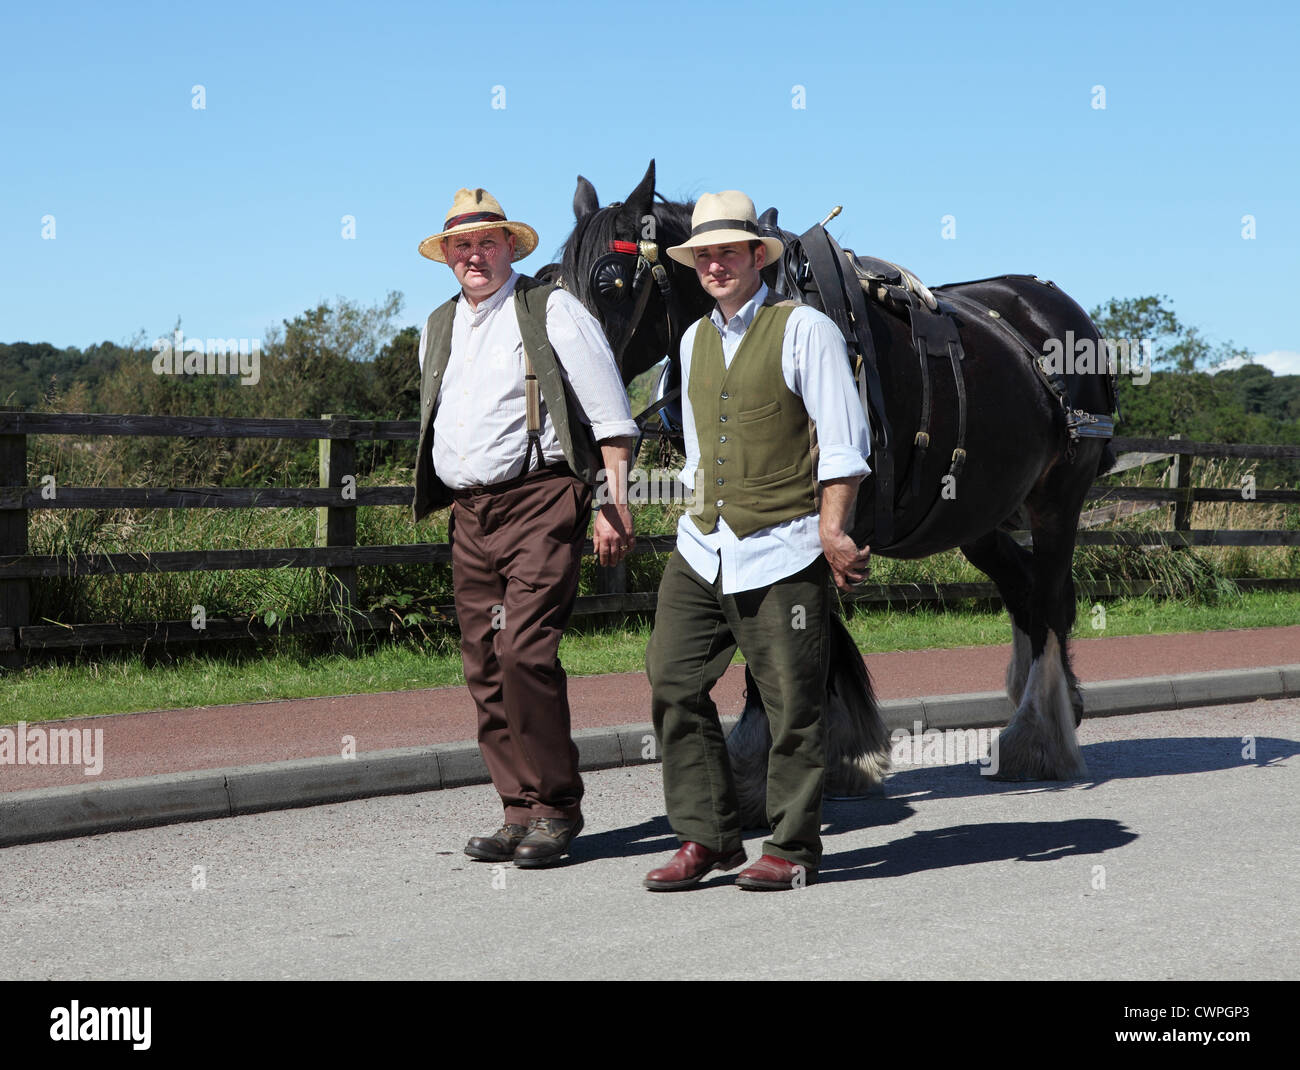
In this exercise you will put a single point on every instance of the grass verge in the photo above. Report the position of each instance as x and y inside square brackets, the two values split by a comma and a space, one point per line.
[127, 683]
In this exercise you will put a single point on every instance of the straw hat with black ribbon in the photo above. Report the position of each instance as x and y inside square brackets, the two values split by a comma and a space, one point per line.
[720, 219]
[477, 209]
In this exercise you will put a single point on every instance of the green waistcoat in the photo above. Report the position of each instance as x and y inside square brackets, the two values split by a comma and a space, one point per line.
[580, 449]
[756, 468]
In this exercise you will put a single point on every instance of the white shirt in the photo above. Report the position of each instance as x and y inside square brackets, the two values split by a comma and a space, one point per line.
[480, 432]
[815, 365]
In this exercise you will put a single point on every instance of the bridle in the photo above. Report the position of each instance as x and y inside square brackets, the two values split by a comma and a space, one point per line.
[621, 274]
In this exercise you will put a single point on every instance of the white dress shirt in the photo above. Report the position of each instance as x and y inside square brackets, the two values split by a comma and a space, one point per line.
[480, 432]
[814, 362]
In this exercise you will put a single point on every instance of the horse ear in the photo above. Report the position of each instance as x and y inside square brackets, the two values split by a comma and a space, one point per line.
[585, 200]
[641, 199]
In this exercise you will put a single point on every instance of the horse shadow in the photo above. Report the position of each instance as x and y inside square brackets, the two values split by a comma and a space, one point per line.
[964, 845]
[1127, 759]
[972, 845]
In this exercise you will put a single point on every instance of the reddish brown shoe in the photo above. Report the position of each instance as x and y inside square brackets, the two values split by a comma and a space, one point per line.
[689, 865]
[772, 874]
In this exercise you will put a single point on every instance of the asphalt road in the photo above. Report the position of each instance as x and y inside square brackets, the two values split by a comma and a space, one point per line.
[1178, 859]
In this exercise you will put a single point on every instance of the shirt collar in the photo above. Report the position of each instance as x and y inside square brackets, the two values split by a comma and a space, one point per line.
[487, 307]
[746, 314]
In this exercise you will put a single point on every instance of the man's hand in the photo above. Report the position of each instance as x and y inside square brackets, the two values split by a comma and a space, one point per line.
[612, 535]
[849, 565]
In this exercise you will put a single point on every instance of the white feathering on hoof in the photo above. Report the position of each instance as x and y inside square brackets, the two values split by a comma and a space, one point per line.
[1040, 742]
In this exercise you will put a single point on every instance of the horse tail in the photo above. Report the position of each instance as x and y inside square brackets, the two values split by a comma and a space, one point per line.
[856, 740]
[857, 743]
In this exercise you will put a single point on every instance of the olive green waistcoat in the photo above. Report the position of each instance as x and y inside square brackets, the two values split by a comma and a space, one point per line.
[756, 468]
[580, 449]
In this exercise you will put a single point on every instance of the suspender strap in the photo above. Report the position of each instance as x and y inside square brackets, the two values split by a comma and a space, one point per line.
[533, 414]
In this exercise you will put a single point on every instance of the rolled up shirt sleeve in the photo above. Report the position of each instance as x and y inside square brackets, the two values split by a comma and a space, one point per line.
[823, 380]
[588, 366]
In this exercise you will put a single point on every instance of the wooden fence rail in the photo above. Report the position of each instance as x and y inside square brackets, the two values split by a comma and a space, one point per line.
[336, 502]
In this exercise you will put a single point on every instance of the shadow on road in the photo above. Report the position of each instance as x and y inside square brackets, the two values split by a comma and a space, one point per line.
[972, 845]
[909, 788]
[1123, 759]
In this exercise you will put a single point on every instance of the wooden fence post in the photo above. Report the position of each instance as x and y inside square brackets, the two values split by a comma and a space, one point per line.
[1180, 479]
[15, 595]
[336, 525]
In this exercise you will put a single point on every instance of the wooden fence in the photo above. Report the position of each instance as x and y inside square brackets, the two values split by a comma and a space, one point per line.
[337, 553]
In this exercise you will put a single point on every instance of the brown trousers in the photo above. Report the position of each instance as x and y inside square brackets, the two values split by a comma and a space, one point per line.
[515, 557]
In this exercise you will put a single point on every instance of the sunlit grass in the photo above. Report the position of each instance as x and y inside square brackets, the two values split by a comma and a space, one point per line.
[288, 669]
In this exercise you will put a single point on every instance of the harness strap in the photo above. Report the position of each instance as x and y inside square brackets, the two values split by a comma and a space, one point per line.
[825, 260]
[921, 443]
[959, 377]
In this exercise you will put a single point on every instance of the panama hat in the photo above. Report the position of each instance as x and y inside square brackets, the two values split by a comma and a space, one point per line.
[721, 218]
[477, 209]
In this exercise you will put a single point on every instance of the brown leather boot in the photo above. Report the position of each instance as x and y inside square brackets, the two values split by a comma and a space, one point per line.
[499, 847]
[547, 841]
[689, 865]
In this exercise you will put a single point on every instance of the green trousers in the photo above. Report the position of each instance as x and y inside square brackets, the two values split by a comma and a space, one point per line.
[782, 631]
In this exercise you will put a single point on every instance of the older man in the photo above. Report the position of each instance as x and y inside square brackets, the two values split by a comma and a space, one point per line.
[522, 411]
[752, 559]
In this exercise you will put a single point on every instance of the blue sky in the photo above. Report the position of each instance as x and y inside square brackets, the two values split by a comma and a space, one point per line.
[230, 216]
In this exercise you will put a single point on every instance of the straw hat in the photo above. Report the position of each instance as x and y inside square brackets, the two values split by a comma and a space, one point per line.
[721, 218]
[477, 209]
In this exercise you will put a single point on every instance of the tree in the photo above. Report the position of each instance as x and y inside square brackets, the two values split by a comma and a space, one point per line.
[1174, 345]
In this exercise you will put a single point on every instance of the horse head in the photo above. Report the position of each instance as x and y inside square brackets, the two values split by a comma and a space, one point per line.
[615, 263]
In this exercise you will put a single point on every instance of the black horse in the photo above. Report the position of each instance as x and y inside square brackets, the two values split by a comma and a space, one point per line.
[1020, 466]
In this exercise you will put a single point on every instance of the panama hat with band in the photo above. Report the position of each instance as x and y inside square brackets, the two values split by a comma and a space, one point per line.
[720, 219]
[477, 209]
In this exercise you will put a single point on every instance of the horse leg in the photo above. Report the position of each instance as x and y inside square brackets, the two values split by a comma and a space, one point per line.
[857, 742]
[1040, 743]
[1008, 565]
